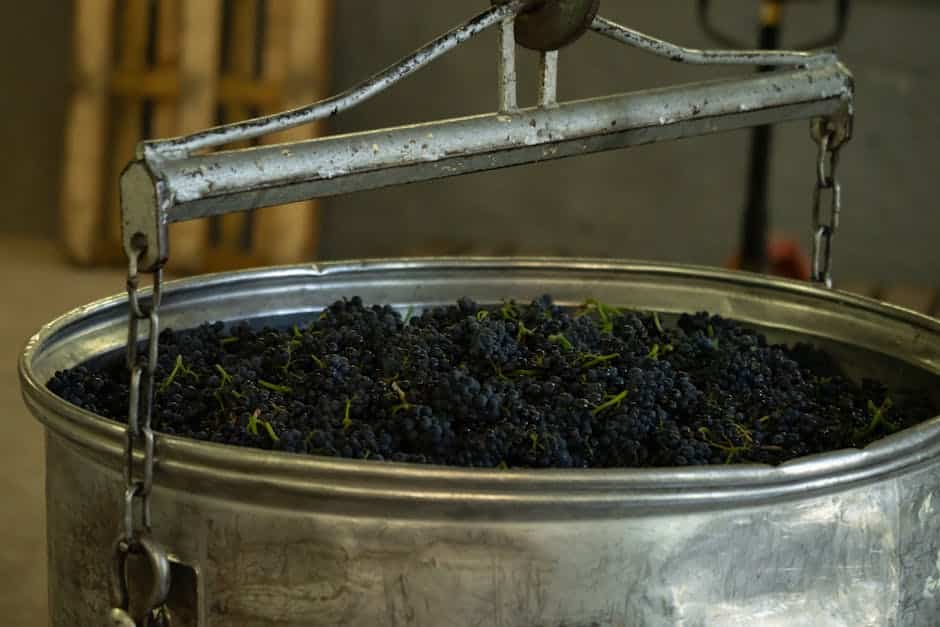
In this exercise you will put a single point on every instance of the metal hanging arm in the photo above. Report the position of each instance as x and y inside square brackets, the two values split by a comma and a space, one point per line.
[157, 193]
[265, 125]
[169, 183]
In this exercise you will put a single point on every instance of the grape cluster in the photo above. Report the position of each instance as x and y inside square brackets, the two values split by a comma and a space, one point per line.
[511, 385]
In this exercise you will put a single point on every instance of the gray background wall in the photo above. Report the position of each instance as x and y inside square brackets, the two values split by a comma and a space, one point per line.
[679, 201]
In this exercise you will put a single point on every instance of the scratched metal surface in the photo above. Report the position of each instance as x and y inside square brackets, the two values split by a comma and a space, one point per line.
[260, 539]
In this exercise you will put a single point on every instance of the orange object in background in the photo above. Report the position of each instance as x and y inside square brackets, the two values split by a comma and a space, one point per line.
[785, 259]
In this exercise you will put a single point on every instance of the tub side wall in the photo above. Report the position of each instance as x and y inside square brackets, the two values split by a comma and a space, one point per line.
[854, 558]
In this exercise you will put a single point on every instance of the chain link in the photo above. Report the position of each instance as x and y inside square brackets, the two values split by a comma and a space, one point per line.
[135, 538]
[140, 407]
[825, 228]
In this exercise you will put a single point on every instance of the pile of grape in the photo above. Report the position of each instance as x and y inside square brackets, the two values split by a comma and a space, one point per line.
[507, 386]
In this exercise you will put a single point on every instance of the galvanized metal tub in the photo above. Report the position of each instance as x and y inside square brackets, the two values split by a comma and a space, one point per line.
[850, 538]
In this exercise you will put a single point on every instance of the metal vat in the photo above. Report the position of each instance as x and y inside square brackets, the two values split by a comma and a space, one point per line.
[850, 538]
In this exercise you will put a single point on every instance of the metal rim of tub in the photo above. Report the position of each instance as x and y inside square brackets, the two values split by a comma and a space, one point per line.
[349, 486]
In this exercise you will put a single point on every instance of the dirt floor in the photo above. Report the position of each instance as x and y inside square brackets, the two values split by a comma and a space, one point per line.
[37, 286]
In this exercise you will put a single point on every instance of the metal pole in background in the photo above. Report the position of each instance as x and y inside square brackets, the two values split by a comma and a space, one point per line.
[753, 248]
[755, 225]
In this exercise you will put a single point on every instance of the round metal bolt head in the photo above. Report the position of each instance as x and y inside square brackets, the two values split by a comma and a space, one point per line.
[552, 24]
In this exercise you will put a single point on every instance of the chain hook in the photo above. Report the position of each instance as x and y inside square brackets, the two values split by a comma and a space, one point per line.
[135, 538]
[158, 563]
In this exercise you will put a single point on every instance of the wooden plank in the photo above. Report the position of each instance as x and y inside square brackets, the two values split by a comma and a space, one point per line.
[166, 110]
[127, 115]
[164, 84]
[158, 83]
[200, 36]
[256, 93]
[243, 44]
[86, 129]
[167, 57]
[296, 56]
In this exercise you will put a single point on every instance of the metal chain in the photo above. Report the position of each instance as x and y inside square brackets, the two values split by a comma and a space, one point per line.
[135, 539]
[824, 229]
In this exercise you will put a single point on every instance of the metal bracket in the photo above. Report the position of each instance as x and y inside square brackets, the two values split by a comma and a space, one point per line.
[143, 218]
[838, 126]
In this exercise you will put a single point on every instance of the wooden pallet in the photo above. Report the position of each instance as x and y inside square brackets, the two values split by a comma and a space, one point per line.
[160, 68]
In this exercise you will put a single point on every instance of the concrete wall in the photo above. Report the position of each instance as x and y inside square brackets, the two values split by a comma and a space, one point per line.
[680, 201]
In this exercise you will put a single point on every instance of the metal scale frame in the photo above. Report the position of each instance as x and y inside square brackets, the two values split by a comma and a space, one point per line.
[177, 179]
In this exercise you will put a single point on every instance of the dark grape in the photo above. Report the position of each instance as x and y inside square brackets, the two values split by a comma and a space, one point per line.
[513, 385]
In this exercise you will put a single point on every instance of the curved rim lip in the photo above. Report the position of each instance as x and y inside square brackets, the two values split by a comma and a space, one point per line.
[701, 484]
